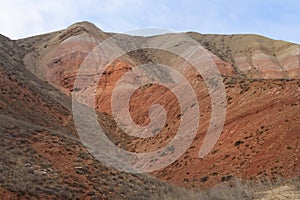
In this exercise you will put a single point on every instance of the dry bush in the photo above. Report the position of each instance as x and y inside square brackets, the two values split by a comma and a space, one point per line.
[236, 189]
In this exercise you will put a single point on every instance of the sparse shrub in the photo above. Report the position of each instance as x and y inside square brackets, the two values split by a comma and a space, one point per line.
[237, 143]
[204, 179]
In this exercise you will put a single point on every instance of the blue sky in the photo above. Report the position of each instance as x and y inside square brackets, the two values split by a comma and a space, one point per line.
[277, 19]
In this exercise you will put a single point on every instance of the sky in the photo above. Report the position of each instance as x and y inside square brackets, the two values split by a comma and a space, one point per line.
[277, 19]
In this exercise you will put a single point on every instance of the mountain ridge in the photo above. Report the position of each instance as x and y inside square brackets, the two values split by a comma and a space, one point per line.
[250, 56]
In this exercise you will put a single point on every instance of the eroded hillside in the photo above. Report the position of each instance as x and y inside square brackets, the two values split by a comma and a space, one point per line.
[260, 137]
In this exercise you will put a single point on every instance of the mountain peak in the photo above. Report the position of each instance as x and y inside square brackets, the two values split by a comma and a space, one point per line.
[81, 28]
[84, 24]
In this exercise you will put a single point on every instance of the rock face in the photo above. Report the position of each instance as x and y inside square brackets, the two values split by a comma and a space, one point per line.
[261, 77]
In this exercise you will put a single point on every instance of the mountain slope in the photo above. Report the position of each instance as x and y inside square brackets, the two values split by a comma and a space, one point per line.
[260, 136]
[41, 154]
[254, 56]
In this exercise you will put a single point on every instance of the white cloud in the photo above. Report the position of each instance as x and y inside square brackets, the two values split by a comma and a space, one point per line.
[277, 19]
[19, 18]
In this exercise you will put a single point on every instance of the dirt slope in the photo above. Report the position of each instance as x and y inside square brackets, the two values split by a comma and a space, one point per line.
[260, 136]
[41, 154]
[254, 56]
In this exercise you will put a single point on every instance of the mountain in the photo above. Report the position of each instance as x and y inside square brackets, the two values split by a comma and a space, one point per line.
[43, 156]
[254, 56]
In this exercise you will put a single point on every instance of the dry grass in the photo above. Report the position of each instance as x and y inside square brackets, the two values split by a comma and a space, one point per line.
[237, 189]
